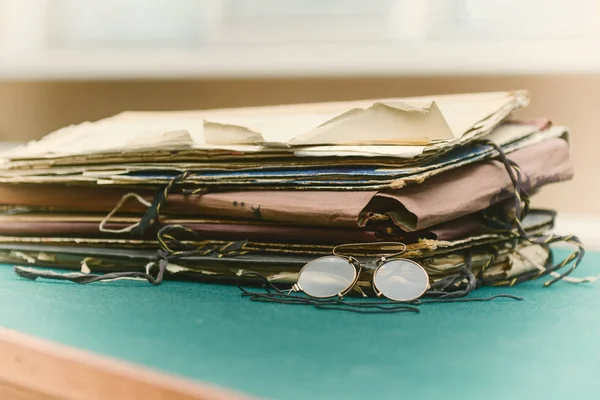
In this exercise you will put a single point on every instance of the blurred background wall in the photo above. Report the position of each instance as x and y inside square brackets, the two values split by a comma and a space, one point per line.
[67, 61]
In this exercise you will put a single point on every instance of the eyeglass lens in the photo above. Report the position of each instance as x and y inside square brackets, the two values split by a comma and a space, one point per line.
[401, 280]
[327, 276]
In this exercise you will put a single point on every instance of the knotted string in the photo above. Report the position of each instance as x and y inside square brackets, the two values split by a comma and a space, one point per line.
[442, 288]
[152, 214]
[447, 289]
[81, 278]
[521, 206]
[170, 249]
[102, 227]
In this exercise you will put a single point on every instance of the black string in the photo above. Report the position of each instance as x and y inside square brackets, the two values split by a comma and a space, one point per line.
[520, 196]
[152, 214]
[80, 278]
[521, 208]
[272, 294]
[469, 299]
[514, 173]
[449, 289]
[460, 284]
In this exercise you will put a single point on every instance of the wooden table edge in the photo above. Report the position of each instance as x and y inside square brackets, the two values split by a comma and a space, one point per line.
[34, 369]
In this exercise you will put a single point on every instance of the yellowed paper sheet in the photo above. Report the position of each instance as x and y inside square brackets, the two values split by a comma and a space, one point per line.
[407, 124]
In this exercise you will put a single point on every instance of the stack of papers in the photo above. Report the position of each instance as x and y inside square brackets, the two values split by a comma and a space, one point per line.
[286, 184]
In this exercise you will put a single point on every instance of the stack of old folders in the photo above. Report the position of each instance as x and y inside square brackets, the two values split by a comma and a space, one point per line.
[393, 199]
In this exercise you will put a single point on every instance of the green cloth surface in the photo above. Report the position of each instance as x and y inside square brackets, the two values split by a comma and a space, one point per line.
[545, 347]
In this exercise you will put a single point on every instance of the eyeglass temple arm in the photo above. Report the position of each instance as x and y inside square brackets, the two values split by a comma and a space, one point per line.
[296, 288]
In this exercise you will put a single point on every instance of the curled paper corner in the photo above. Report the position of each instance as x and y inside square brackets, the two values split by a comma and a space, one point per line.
[85, 269]
[172, 268]
[523, 97]
[25, 257]
[179, 137]
[386, 122]
[46, 257]
[220, 133]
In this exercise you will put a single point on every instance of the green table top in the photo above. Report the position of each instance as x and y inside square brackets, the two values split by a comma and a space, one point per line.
[546, 346]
